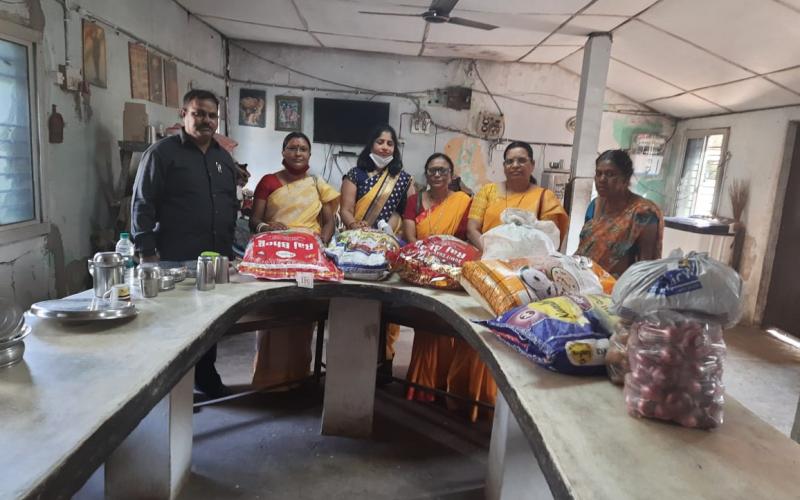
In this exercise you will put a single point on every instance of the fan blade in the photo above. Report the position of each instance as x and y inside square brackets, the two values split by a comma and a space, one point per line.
[471, 24]
[443, 7]
[387, 14]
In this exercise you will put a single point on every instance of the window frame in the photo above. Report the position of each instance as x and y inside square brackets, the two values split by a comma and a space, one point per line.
[700, 134]
[36, 226]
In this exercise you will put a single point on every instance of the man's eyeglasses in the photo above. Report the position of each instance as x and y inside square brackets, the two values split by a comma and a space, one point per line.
[199, 113]
[440, 171]
[521, 161]
[297, 149]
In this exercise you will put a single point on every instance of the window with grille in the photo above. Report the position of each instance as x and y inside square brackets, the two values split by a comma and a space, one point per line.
[18, 195]
[701, 177]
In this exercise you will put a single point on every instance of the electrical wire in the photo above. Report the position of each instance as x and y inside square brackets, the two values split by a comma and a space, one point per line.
[478, 74]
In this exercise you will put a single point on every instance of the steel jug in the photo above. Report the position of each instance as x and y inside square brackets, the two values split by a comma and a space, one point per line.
[107, 269]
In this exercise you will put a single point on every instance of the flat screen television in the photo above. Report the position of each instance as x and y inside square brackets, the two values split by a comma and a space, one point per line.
[339, 121]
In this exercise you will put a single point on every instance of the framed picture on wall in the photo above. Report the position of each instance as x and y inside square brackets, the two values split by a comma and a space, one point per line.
[140, 85]
[94, 54]
[252, 108]
[155, 72]
[288, 113]
[171, 84]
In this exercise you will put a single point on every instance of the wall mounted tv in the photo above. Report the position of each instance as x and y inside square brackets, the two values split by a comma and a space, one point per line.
[339, 121]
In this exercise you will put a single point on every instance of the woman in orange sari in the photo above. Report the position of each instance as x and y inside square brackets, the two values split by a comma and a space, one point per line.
[375, 192]
[468, 374]
[290, 199]
[435, 211]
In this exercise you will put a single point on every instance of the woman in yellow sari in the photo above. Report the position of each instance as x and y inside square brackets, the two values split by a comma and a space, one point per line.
[374, 193]
[518, 191]
[436, 211]
[290, 199]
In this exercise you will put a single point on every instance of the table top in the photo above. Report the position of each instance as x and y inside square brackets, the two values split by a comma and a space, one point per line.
[81, 389]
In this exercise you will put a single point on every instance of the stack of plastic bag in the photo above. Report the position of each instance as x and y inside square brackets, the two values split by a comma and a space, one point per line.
[677, 308]
[435, 261]
[362, 253]
[281, 255]
[500, 285]
[567, 334]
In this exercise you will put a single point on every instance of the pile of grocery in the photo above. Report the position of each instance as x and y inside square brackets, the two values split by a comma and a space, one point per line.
[435, 261]
[500, 285]
[676, 309]
[362, 253]
[280, 255]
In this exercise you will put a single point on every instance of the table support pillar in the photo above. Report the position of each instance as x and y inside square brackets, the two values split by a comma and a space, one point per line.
[154, 460]
[513, 471]
[350, 364]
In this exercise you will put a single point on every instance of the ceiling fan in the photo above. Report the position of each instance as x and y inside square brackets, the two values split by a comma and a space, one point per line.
[438, 13]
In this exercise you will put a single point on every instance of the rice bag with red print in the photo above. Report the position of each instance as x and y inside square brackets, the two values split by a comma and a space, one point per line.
[280, 255]
[435, 261]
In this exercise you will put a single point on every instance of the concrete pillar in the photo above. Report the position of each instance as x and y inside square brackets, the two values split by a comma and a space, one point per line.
[596, 56]
[350, 363]
[154, 460]
[514, 472]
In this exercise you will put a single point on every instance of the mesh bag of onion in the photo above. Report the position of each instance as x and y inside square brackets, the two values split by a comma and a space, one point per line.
[676, 369]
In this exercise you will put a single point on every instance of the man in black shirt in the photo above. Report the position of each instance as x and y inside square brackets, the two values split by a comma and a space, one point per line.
[184, 203]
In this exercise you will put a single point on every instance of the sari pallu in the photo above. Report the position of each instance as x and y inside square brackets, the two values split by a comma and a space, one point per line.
[283, 354]
[377, 197]
[432, 354]
[610, 240]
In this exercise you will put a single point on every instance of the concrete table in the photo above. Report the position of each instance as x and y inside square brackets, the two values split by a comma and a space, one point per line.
[116, 393]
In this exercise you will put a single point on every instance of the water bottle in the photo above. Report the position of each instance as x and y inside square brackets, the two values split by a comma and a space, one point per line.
[126, 249]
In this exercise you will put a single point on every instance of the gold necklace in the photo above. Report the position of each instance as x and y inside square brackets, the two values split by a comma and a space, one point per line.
[527, 192]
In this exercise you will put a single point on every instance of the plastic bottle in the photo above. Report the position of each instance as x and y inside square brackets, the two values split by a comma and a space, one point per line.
[126, 248]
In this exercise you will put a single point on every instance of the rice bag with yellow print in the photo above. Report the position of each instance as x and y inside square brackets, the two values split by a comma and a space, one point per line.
[499, 285]
[567, 334]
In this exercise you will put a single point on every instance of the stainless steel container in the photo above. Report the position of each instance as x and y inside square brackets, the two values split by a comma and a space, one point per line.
[167, 283]
[206, 277]
[107, 269]
[150, 280]
[221, 270]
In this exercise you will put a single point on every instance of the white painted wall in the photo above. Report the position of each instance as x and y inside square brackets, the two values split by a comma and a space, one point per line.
[553, 91]
[74, 173]
[756, 144]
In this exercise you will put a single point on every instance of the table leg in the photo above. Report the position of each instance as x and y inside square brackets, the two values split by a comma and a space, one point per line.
[513, 470]
[154, 460]
[350, 365]
[796, 427]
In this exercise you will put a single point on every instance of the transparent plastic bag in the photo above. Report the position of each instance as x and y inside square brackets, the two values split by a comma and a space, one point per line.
[520, 235]
[676, 370]
[694, 284]
[617, 365]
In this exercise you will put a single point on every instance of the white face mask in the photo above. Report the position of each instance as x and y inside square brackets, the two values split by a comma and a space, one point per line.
[380, 161]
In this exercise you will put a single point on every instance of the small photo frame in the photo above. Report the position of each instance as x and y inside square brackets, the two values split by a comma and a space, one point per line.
[252, 107]
[94, 54]
[288, 113]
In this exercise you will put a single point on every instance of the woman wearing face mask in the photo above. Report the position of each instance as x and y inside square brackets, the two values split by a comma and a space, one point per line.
[439, 210]
[375, 191]
[290, 199]
[621, 227]
[377, 188]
